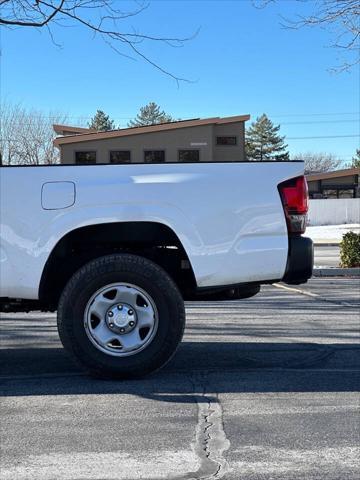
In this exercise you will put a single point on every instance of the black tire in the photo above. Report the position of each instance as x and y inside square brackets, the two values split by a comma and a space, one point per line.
[108, 270]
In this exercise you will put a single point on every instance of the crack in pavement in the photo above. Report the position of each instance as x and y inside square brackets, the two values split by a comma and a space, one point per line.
[211, 441]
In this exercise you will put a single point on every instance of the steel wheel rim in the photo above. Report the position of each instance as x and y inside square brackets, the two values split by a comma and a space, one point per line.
[121, 319]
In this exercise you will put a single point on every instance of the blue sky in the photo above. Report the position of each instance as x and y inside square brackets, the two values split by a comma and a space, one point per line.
[241, 61]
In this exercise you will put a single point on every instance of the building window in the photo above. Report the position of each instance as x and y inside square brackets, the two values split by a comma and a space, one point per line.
[189, 156]
[154, 156]
[120, 156]
[330, 193]
[346, 193]
[226, 140]
[85, 158]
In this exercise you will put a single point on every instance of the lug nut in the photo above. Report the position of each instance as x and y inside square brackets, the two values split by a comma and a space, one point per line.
[111, 325]
[130, 312]
[110, 314]
[120, 307]
[131, 324]
[122, 330]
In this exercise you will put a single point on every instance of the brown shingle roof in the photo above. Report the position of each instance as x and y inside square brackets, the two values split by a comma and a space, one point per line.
[84, 137]
[60, 129]
[337, 173]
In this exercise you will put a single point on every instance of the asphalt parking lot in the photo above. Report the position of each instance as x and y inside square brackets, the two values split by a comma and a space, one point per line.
[265, 388]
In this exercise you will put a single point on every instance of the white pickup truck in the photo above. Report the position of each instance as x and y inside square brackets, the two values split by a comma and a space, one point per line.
[116, 249]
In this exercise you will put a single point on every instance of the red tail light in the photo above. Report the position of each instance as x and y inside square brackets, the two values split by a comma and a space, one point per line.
[295, 199]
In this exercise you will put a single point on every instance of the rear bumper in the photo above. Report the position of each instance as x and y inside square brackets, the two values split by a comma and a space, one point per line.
[300, 261]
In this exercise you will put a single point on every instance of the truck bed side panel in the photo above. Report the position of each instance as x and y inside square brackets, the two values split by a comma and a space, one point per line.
[228, 216]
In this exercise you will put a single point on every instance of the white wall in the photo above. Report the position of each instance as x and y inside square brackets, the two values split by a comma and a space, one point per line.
[334, 211]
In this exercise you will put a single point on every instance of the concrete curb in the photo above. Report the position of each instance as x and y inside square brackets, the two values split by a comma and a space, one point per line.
[336, 272]
[326, 244]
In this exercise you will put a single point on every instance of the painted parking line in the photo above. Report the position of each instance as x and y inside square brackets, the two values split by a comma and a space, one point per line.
[315, 296]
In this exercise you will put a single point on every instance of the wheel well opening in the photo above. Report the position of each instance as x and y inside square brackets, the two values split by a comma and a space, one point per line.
[155, 241]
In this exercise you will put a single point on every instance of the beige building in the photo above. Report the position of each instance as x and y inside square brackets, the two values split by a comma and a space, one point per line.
[199, 140]
[337, 184]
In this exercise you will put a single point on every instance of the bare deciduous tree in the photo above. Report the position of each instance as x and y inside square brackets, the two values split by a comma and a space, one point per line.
[26, 136]
[318, 162]
[340, 17]
[100, 17]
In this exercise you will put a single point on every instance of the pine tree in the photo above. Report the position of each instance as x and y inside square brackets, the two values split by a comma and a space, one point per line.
[150, 114]
[355, 163]
[263, 142]
[101, 122]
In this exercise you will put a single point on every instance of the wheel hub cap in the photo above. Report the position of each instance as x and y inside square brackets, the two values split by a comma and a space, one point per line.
[121, 318]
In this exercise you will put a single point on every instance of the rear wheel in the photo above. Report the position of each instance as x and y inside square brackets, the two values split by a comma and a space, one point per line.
[121, 316]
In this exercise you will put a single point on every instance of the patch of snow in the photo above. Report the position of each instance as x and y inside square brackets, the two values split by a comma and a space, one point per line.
[330, 233]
